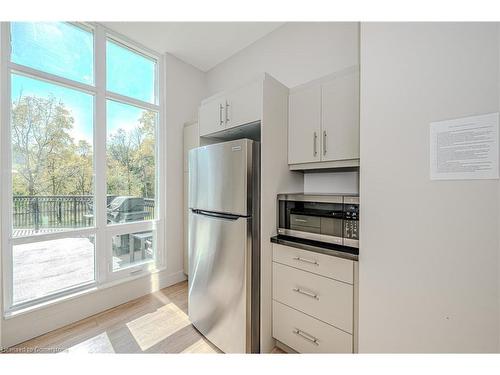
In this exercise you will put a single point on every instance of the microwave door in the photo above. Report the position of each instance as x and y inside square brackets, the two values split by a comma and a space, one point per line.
[315, 221]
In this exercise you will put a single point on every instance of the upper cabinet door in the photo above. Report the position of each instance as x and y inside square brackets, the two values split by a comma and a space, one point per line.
[243, 105]
[304, 125]
[340, 117]
[211, 116]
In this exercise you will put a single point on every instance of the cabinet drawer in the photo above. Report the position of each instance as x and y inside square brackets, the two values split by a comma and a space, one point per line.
[305, 221]
[328, 300]
[320, 264]
[308, 335]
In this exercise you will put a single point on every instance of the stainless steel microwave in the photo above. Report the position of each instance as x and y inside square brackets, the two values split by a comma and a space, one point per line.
[320, 217]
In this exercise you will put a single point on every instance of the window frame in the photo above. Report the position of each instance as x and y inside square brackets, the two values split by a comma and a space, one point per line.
[102, 231]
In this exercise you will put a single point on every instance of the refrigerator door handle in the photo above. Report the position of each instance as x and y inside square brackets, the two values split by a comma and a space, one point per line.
[216, 215]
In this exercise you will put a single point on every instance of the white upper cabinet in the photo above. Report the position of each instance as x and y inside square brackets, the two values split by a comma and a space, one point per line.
[304, 125]
[211, 115]
[323, 123]
[340, 117]
[231, 108]
[244, 105]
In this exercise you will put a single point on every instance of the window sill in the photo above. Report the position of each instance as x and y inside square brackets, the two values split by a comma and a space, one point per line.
[15, 312]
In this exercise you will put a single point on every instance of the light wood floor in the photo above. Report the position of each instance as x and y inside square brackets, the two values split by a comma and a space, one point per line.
[155, 323]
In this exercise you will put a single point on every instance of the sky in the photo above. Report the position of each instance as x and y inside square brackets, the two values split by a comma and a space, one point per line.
[67, 50]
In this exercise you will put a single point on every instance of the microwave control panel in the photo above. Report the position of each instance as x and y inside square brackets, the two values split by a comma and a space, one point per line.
[351, 217]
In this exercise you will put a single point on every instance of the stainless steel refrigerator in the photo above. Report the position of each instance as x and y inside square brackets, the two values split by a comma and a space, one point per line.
[224, 244]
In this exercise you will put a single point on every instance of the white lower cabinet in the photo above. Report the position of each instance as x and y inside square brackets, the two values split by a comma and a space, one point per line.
[313, 301]
[320, 264]
[328, 300]
[306, 334]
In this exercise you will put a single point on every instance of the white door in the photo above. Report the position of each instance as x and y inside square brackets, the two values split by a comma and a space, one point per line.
[243, 105]
[185, 211]
[304, 125]
[211, 116]
[191, 140]
[340, 118]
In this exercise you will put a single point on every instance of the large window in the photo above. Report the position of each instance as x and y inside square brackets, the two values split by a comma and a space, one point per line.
[80, 150]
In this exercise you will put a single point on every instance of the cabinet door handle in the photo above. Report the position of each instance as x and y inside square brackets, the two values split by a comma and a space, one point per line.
[309, 294]
[306, 336]
[227, 112]
[315, 141]
[221, 122]
[324, 142]
[306, 261]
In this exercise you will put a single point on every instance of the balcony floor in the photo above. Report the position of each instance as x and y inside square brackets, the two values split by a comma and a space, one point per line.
[44, 268]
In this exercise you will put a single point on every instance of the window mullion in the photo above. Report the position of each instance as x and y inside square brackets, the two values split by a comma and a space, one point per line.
[82, 232]
[51, 78]
[100, 153]
[131, 101]
[6, 186]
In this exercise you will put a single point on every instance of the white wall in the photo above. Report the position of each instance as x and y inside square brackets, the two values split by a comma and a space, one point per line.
[294, 54]
[331, 182]
[429, 249]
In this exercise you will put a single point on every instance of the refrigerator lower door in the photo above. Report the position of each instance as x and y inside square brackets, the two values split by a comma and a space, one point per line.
[220, 279]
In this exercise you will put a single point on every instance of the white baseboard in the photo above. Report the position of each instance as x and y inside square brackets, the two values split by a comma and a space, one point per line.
[172, 278]
[20, 328]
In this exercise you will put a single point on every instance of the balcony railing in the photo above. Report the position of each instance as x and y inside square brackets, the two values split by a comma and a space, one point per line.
[60, 211]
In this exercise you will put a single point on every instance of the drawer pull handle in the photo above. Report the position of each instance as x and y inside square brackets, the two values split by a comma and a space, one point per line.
[306, 336]
[306, 261]
[301, 220]
[309, 294]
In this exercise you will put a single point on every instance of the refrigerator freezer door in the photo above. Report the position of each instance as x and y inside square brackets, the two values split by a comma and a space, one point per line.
[219, 280]
[220, 177]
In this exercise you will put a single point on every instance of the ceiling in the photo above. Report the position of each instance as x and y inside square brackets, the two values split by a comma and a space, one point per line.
[201, 44]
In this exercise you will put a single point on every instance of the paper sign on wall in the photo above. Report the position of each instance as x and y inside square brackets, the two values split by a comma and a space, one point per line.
[464, 148]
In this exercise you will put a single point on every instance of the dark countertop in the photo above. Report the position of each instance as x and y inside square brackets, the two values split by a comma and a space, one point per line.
[317, 247]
